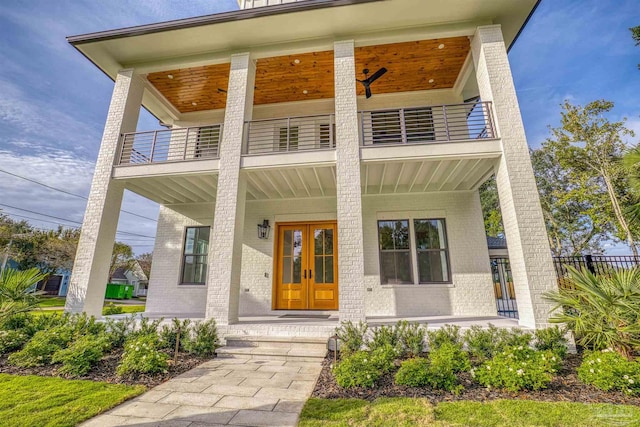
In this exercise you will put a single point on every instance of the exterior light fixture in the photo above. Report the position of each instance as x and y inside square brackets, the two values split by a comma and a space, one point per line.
[169, 76]
[305, 91]
[194, 103]
[263, 229]
[441, 46]
[431, 80]
[296, 61]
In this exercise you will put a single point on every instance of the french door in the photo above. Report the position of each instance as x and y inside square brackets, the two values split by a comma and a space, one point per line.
[306, 267]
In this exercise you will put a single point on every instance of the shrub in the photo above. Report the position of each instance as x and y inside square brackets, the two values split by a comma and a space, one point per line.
[553, 339]
[411, 336]
[413, 372]
[357, 370]
[446, 334]
[482, 343]
[514, 337]
[17, 291]
[608, 370]
[204, 340]
[79, 357]
[383, 357]
[169, 334]
[444, 363]
[147, 327]
[602, 311]
[351, 337]
[39, 350]
[111, 309]
[142, 356]
[384, 336]
[12, 340]
[518, 368]
[119, 330]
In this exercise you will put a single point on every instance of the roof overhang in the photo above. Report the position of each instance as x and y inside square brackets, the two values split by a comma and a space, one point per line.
[293, 27]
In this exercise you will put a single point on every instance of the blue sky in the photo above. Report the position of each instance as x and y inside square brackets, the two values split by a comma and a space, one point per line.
[53, 102]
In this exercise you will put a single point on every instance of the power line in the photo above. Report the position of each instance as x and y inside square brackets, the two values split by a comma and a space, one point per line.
[68, 192]
[70, 220]
[126, 239]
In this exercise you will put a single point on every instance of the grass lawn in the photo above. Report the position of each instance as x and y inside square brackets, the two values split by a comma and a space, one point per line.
[51, 302]
[43, 401]
[503, 413]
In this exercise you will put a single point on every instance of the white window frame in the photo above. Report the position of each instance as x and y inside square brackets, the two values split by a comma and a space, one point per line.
[411, 216]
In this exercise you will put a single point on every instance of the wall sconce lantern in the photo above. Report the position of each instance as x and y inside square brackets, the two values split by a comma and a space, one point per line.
[263, 229]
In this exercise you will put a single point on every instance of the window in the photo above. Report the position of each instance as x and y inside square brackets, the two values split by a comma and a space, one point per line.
[420, 242]
[431, 250]
[288, 138]
[419, 125]
[395, 252]
[207, 142]
[327, 135]
[385, 127]
[196, 249]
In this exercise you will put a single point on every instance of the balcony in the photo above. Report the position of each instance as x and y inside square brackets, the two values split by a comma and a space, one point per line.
[172, 145]
[434, 124]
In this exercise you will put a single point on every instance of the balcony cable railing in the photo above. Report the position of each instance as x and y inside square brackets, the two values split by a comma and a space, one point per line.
[440, 123]
[192, 143]
[289, 134]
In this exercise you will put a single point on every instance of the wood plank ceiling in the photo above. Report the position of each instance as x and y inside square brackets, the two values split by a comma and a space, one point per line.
[412, 66]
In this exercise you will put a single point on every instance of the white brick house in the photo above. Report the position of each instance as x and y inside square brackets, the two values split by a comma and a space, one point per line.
[372, 202]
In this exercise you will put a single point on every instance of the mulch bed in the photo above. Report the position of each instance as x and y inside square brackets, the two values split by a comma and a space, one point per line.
[105, 370]
[565, 387]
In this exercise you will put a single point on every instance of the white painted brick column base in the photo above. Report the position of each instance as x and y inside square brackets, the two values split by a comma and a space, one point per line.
[529, 252]
[225, 260]
[91, 266]
[349, 196]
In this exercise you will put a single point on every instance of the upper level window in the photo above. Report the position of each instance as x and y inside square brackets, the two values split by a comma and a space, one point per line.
[208, 141]
[420, 242]
[288, 138]
[196, 249]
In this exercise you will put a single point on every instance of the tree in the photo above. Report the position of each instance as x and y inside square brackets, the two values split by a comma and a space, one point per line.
[589, 147]
[145, 262]
[491, 208]
[571, 206]
[122, 257]
[635, 35]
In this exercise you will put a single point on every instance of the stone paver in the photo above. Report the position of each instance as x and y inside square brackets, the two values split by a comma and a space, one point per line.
[222, 392]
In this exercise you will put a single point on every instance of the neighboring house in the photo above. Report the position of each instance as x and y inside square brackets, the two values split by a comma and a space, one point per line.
[132, 276]
[285, 188]
[56, 283]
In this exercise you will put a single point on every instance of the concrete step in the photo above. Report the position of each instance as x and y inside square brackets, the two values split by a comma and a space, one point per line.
[300, 349]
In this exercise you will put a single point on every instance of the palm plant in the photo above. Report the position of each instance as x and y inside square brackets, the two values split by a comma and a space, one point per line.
[602, 311]
[18, 293]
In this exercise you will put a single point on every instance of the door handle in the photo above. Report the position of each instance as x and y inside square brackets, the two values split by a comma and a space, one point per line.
[310, 274]
[305, 274]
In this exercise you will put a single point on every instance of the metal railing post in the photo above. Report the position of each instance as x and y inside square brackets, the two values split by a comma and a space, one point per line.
[489, 118]
[153, 146]
[332, 142]
[186, 144]
[288, 133]
[446, 122]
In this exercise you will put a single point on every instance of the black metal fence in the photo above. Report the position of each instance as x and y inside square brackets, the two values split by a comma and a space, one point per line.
[597, 264]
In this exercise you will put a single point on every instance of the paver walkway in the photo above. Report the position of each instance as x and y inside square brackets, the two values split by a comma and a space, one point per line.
[237, 392]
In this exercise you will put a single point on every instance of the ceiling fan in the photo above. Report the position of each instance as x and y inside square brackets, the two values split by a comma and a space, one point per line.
[368, 80]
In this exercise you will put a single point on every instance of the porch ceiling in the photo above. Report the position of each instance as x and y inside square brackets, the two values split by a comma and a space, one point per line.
[425, 176]
[175, 189]
[412, 66]
[410, 176]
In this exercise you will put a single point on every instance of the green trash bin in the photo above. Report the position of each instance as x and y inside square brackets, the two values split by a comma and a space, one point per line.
[118, 291]
[128, 291]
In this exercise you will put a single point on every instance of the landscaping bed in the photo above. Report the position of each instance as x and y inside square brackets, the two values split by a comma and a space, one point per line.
[105, 370]
[565, 387]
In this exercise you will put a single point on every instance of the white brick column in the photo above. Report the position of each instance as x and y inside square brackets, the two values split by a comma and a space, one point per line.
[225, 260]
[349, 196]
[529, 252]
[91, 266]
